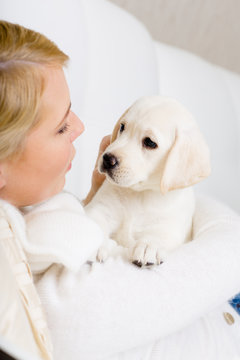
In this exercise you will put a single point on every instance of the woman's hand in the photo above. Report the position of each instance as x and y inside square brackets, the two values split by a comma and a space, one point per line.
[97, 178]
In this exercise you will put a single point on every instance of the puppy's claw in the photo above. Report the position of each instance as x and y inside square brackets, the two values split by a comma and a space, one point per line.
[147, 254]
[149, 264]
[138, 263]
[102, 255]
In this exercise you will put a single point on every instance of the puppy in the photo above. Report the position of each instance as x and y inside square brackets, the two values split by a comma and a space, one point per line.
[146, 203]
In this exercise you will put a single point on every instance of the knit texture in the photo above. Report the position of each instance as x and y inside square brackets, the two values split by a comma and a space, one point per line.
[118, 311]
[59, 232]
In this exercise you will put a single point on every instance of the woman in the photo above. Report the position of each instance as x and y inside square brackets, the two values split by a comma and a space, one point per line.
[96, 311]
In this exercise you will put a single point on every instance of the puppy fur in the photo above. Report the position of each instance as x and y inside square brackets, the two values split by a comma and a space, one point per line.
[146, 203]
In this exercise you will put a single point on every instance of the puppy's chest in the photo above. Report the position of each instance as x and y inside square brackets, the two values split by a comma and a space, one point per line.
[135, 218]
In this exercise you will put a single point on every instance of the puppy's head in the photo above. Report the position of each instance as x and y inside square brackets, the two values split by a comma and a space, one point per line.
[156, 144]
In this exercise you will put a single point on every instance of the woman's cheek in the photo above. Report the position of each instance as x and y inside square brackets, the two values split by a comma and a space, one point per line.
[64, 159]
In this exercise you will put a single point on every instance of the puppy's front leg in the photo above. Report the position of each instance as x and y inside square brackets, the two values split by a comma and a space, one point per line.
[99, 215]
[148, 252]
[102, 211]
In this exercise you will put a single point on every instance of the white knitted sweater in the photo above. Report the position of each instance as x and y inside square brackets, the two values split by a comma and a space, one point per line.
[116, 310]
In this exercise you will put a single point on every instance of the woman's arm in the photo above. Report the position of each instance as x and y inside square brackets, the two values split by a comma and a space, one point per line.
[112, 307]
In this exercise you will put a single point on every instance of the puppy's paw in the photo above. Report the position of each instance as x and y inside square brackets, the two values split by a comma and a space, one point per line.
[103, 253]
[143, 254]
[109, 249]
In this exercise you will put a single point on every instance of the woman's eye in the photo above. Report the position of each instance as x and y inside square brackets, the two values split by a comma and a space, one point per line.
[122, 127]
[148, 143]
[63, 129]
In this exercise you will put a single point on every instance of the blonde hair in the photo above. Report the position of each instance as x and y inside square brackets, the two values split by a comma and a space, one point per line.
[23, 55]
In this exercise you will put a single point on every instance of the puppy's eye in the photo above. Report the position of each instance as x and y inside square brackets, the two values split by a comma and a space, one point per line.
[148, 143]
[122, 128]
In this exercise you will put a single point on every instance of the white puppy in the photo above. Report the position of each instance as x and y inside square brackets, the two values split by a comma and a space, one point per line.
[146, 203]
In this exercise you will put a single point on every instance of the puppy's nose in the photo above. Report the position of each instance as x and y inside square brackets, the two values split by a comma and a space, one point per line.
[109, 161]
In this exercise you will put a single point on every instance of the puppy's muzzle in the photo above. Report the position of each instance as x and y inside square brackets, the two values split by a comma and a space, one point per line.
[109, 162]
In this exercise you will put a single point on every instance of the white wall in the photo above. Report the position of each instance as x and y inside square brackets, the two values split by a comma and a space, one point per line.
[209, 28]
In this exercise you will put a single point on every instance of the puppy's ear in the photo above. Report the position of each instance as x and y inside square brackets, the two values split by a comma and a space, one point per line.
[116, 128]
[188, 161]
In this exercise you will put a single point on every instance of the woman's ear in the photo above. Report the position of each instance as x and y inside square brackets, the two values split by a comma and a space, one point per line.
[2, 177]
[188, 161]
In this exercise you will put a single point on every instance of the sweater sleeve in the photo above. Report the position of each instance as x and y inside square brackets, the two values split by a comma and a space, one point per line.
[58, 231]
[109, 308]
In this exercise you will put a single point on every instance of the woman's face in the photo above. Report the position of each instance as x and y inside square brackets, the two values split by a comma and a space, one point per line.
[40, 171]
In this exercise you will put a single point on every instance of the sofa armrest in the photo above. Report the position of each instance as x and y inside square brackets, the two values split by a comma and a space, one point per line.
[211, 93]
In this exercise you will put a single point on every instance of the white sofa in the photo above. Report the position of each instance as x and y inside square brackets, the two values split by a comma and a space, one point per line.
[113, 62]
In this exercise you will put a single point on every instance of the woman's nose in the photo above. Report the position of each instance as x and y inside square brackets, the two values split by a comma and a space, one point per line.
[77, 127]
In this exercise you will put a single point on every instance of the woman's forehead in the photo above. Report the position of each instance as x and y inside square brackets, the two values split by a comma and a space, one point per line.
[55, 102]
